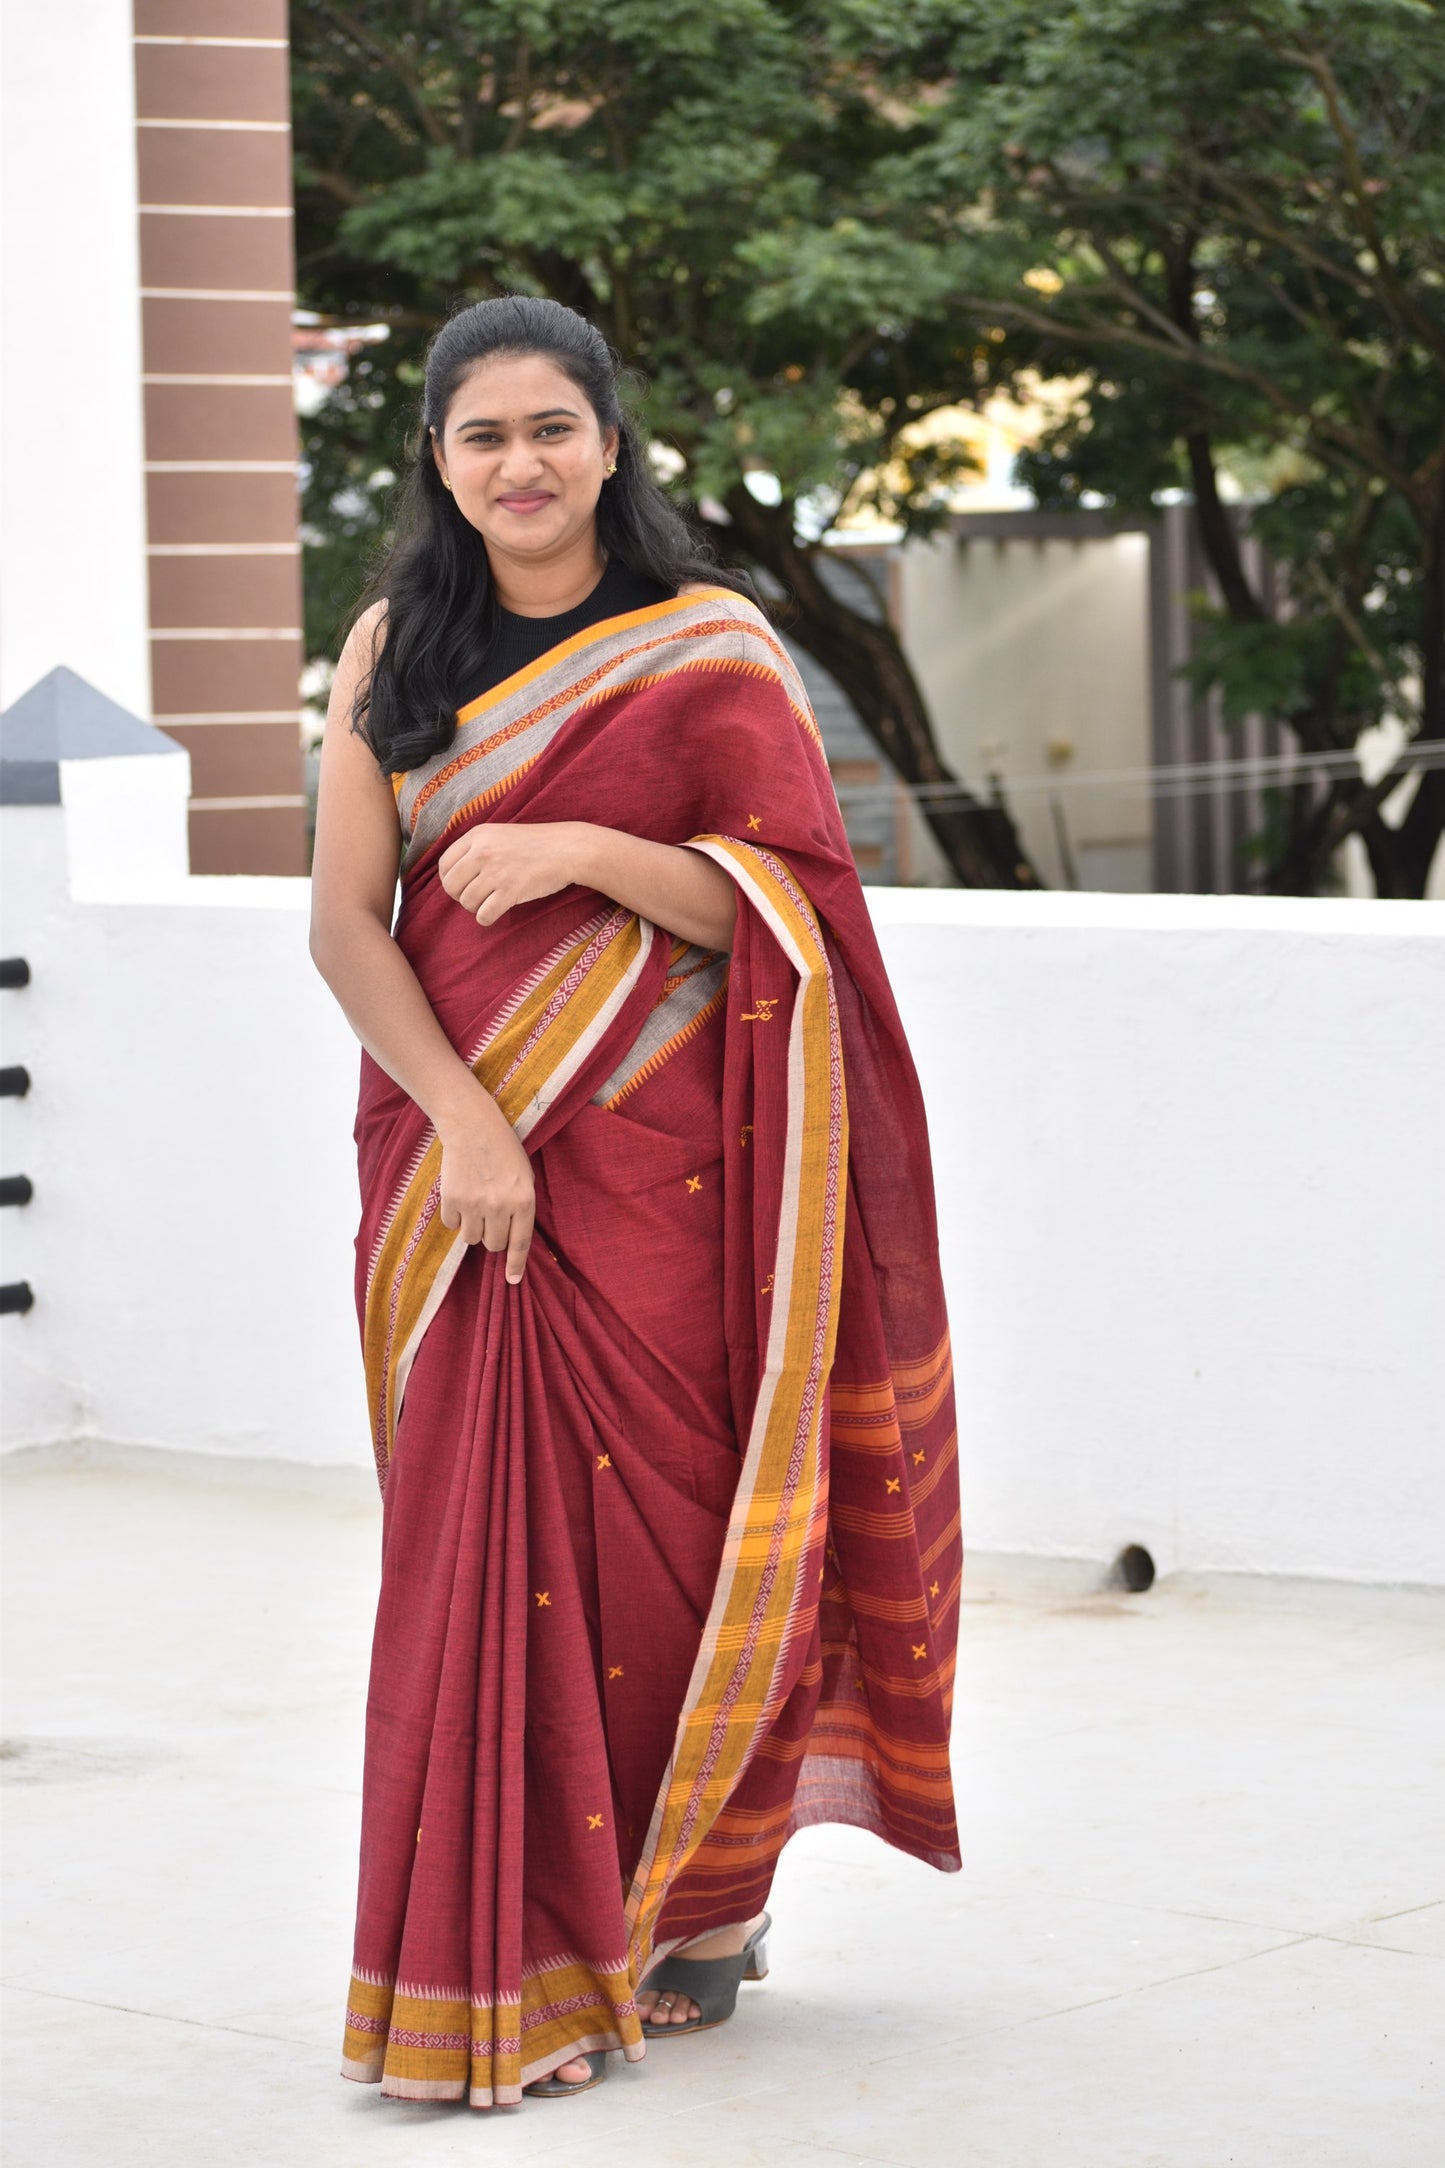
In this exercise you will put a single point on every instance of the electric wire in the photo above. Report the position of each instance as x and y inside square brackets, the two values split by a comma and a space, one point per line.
[1183, 779]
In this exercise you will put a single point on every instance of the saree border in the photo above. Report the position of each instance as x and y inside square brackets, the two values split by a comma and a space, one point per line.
[779, 1510]
[528, 1055]
[439, 2043]
[505, 731]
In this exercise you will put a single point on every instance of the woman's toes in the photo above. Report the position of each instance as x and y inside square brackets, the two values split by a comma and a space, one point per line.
[676, 2010]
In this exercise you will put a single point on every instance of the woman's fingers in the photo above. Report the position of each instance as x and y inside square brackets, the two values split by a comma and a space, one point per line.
[512, 1232]
[484, 899]
[497, 1232]
[518, 1245]
[455, 869]
[461, 1218]
[475, 892]
[487, 1192]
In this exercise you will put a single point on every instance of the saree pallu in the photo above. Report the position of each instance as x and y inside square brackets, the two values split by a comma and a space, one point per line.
[671, 1551]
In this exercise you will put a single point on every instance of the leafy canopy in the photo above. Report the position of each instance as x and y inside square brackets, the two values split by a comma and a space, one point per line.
[813, 222]
[702, 182]
[1227, 221]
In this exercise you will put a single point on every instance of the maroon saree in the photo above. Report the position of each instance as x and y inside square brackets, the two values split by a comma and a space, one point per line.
[671, 1551]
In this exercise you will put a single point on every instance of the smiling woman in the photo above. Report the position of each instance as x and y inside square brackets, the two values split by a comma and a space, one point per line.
[651, 1315]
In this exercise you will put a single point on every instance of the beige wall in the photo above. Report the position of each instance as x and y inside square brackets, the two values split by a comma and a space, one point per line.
[1026, 649]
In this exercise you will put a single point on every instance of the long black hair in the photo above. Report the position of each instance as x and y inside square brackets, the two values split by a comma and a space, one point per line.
[435, 582]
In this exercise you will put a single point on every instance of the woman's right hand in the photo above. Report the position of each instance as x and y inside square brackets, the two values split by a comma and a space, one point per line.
[487, 1190]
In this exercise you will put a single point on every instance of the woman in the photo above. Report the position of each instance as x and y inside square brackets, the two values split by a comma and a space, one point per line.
[654, 1336]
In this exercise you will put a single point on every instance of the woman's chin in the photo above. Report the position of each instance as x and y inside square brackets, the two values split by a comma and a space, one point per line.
[529, 534]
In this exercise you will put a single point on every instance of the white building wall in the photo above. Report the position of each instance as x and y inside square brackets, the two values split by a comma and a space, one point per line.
[72, 478]
[1034, 656]
[1189, 1181]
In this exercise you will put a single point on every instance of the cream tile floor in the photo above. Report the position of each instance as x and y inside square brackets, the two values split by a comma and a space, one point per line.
[1201, 1919]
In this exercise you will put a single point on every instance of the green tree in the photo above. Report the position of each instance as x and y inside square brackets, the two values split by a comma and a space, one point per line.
[1226, 218]
[645, 161]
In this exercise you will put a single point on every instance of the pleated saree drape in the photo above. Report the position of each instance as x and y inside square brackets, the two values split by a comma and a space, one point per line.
[671, 1549]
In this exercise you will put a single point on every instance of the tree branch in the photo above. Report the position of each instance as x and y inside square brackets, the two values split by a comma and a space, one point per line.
[1368, 454]
[331, 184]
[1401, 301]
[977, 836]
[432, 126]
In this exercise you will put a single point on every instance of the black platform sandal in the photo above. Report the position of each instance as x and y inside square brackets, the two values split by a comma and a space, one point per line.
[555, 2088]
[711, 1982]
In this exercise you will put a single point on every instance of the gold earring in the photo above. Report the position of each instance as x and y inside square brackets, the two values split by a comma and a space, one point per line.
[613, 468]
[445, 483]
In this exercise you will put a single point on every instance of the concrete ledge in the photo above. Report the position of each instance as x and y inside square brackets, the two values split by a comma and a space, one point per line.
[82, 1457]
[989, 1576]
[1074, 911]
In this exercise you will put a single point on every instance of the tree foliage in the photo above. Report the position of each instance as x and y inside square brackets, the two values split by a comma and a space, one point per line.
[813, 223]
[1226, 218]
[645, 161]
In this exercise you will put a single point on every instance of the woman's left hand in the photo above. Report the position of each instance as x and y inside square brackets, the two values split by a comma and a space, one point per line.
[497, 865]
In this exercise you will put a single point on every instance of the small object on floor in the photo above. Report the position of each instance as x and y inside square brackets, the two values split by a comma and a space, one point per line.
[711, 1982]
[555, 2088]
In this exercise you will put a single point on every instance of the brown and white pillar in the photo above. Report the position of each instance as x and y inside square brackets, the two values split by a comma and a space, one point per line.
[217, 287]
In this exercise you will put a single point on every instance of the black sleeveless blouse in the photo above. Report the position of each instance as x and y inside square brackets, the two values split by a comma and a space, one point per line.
[521, 640]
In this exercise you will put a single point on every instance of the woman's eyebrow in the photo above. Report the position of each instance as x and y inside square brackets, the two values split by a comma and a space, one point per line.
[482, 421]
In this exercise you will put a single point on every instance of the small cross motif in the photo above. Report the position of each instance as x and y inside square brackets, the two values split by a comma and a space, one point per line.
[894, 1482]
[767, 1286]
[594, 1821]
[763, 1013]
[604, 1460]
[920, 1650]
[933, 1588]
[918, 1458]
[694, 1181]
[747, 1130]
[755, 820]
[544, 1599]
[614, 1671]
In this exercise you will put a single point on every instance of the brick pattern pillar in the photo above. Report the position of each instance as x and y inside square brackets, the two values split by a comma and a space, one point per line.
[217, 288]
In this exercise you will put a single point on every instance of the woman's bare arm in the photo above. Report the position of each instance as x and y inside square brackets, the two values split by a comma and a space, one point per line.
[486, 1188]
[674, 887]
[498, 864]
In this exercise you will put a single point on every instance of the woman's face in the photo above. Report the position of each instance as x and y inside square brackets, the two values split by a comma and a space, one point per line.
[525, 457]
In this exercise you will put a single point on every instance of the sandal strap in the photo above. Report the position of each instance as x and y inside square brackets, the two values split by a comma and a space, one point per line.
[711, 1982]
[553, 2086]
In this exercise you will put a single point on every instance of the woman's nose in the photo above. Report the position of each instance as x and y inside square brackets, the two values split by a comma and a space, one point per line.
[521, 460]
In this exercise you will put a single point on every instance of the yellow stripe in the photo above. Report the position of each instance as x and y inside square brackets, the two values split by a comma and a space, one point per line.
[654, 613]
[416, 1245]
[712, 1747]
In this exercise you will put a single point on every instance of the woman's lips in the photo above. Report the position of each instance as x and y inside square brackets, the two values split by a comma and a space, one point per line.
[531, 500]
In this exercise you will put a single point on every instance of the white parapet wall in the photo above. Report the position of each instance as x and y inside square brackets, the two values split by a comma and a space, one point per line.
[1190, 1177]
[1192, 1203]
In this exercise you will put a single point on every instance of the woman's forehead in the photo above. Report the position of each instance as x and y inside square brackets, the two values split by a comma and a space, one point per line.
[515, 387]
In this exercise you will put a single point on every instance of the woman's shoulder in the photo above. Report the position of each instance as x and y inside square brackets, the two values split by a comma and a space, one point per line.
[368, 631]
[733, 629]
[741, 609]
[358, 654]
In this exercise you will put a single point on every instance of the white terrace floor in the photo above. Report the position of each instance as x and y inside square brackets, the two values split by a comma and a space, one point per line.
[1201, 1919]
